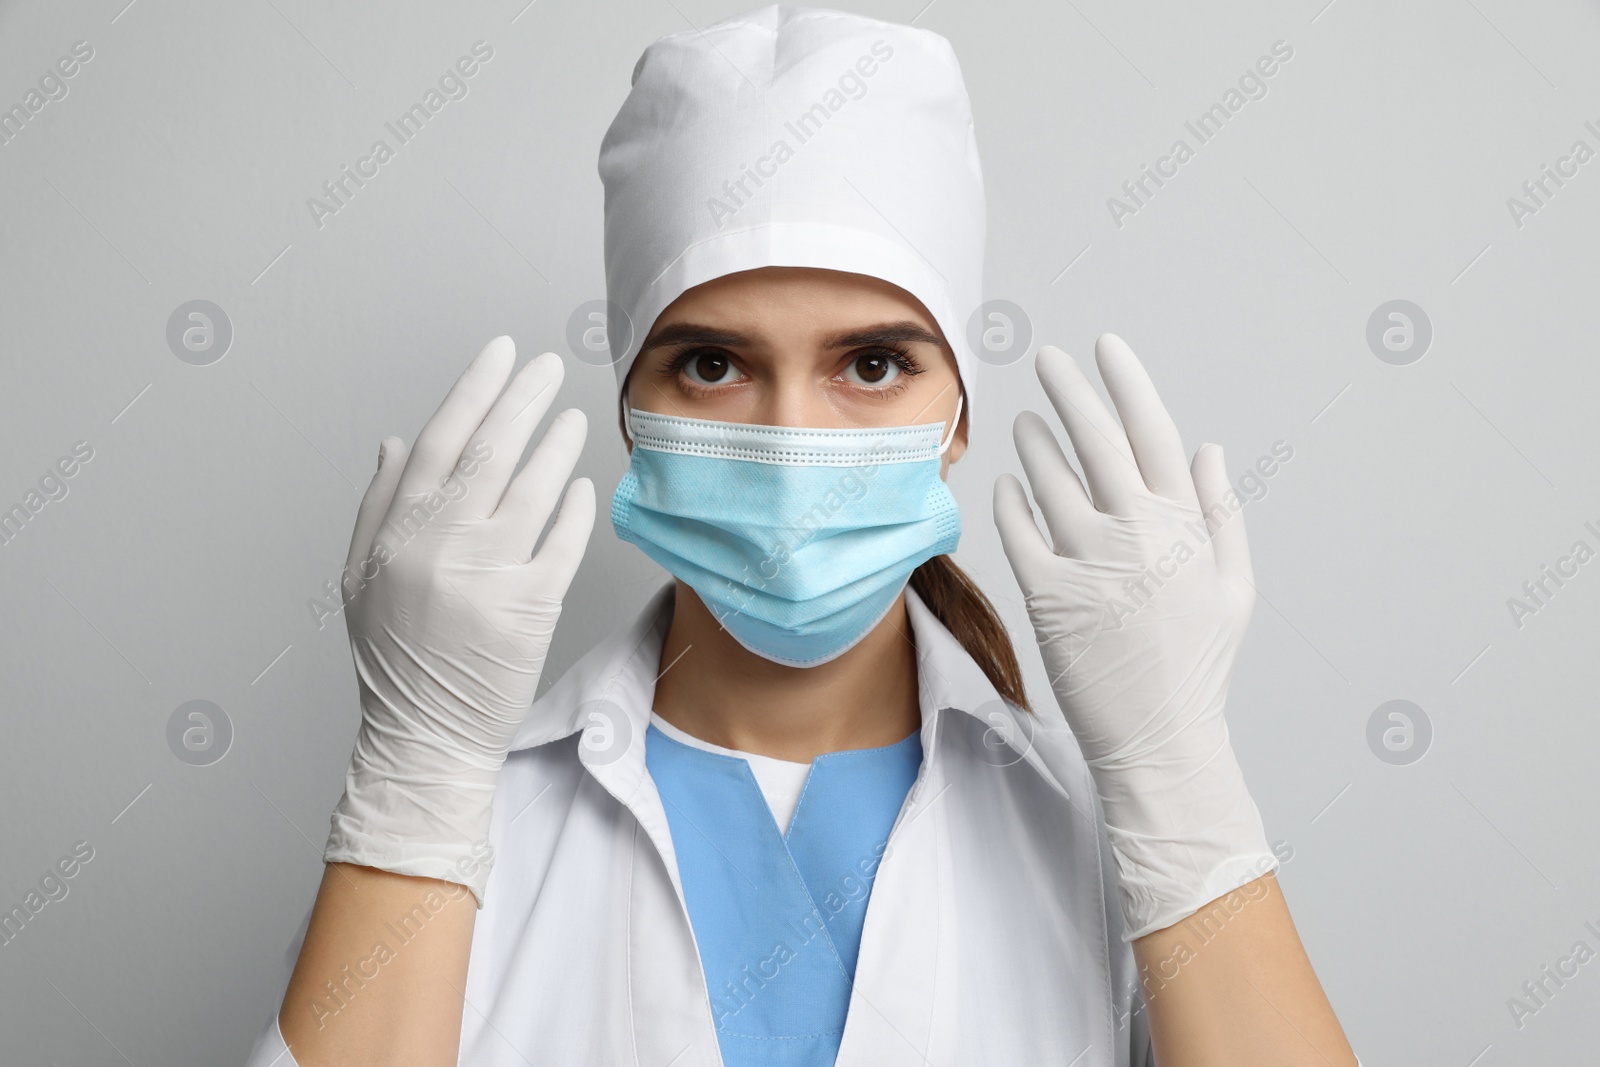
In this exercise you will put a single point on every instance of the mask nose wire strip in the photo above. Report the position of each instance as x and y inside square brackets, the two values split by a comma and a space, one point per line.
[955, 422]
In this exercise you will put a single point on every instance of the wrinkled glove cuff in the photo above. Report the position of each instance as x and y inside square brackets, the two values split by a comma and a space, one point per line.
[1165, 878]
[414, 828]
[464, 865]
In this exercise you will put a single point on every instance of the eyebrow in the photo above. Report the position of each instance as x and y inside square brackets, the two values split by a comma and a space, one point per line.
[680, 333]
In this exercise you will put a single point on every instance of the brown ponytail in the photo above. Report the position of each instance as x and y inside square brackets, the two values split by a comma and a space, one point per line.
[958, 603]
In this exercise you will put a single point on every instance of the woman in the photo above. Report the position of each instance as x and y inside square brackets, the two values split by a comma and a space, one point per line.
[799, 812]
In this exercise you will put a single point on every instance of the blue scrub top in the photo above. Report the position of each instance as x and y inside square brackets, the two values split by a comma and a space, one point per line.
[778, 916]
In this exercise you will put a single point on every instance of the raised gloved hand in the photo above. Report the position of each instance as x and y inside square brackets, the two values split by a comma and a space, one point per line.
[450, 615]
[1140, 608]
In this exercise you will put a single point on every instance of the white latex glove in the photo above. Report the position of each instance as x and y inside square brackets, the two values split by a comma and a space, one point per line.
[454, 615]
[1139, 615]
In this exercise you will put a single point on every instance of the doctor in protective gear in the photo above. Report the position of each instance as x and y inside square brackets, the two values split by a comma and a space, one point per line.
[800, 812]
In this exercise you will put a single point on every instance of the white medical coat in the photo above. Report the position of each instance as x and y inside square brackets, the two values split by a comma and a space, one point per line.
[992, 934]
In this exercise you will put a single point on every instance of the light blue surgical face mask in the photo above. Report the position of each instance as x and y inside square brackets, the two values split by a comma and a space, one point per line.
[798, 540]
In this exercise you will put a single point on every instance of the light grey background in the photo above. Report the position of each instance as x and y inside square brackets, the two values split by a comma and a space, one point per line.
[1418, 500]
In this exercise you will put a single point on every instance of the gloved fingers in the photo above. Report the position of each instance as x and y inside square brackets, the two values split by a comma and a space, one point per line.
[506, 430]
[1151, 433]
[440, 444]
[1020, 538]
[1229, 546]
[1101, 446]
[374, 507]
[532, 494]
[1069, 514]
[563, 546]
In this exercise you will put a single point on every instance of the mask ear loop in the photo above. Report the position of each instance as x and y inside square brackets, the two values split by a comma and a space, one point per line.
[955, 423]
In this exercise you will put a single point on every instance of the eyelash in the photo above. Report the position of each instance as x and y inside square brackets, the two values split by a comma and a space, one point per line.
[902, 357]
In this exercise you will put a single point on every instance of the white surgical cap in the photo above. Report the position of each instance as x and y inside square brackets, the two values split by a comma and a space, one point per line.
[794, 136]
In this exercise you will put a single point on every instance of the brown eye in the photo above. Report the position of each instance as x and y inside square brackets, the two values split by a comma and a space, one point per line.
[709, 368]
[872, 368]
